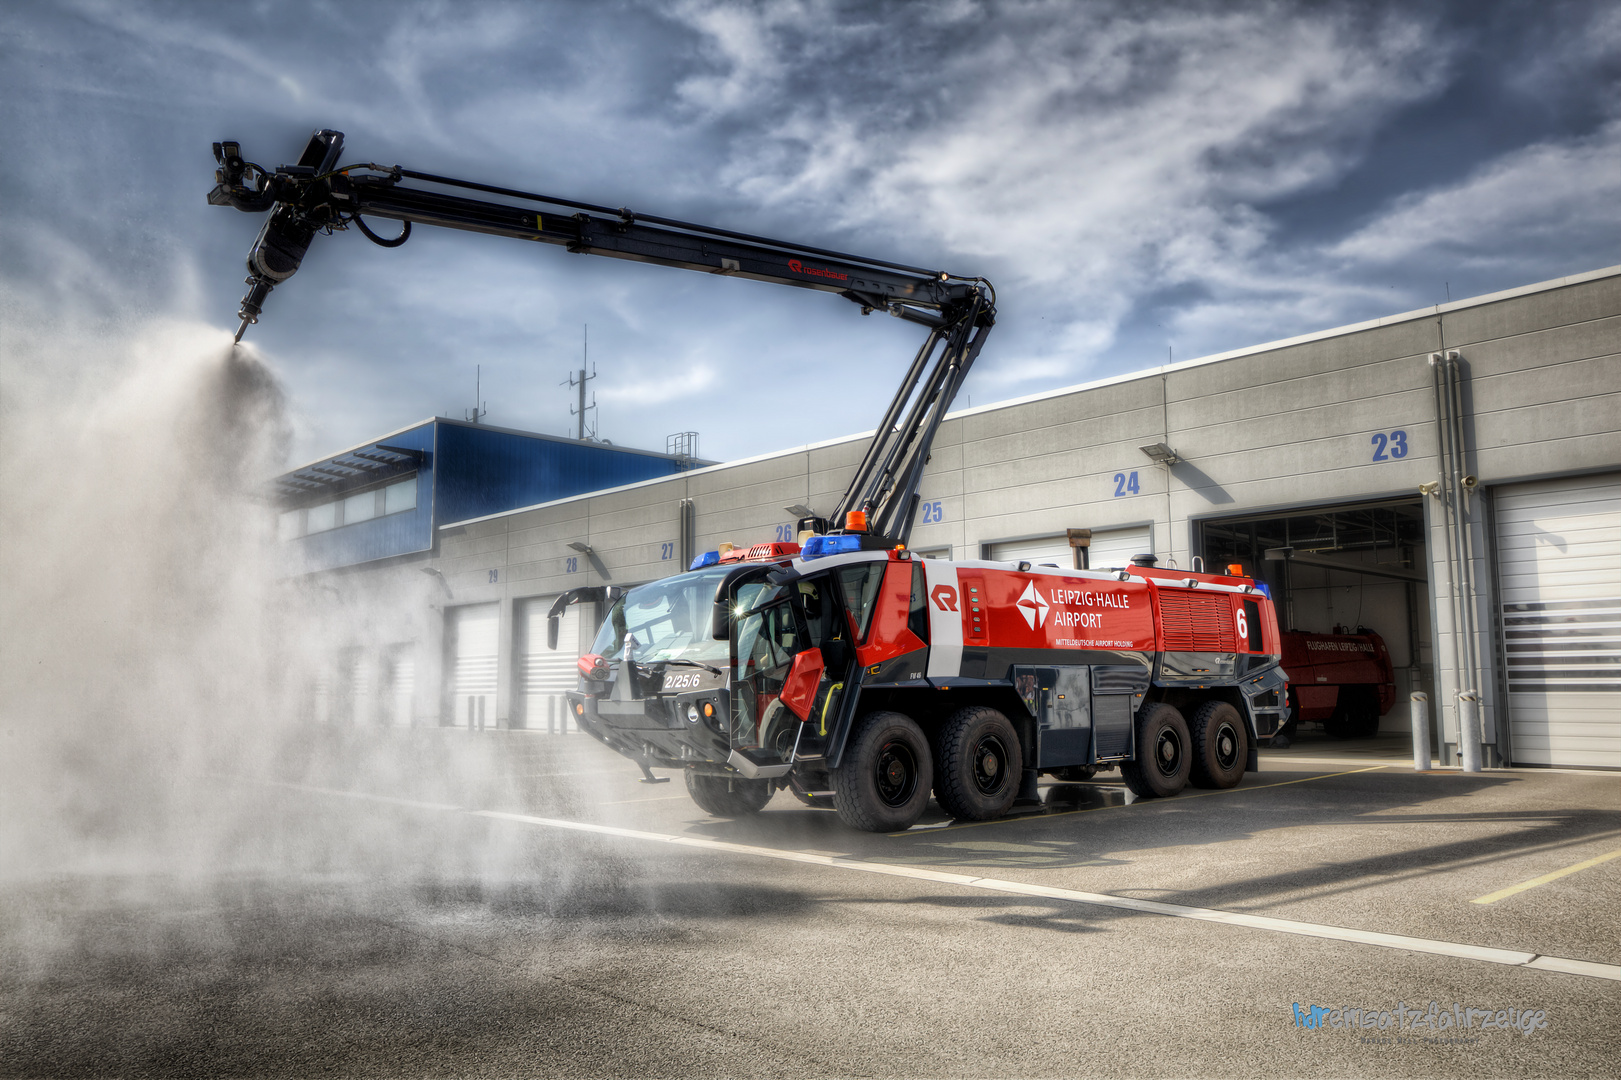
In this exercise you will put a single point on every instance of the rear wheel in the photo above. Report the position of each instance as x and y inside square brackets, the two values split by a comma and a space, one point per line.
[1164, 754]
[728, 796]
[977, 765]
[882, 783]
[1220, 746]
[1356, 716]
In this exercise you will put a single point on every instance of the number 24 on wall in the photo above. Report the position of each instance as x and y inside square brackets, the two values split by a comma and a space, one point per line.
[1387, 447]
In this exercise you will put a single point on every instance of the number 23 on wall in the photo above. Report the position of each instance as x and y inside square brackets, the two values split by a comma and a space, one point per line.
[1388, 447]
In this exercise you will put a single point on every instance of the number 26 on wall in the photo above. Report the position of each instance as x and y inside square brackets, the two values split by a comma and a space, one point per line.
[1387, 447]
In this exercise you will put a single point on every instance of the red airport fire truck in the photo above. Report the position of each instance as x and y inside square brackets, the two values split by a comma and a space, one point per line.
[844, 667]
[872, 677]
[1341, 680]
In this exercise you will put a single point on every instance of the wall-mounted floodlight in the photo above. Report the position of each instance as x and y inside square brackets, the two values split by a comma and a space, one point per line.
[798, 510]
[1160, 454]
[581, 547]
[443, 584]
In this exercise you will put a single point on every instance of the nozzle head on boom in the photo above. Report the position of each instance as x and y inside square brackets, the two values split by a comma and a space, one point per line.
[295, 195]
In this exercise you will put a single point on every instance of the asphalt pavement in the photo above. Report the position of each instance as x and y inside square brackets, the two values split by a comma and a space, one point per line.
[357, 911]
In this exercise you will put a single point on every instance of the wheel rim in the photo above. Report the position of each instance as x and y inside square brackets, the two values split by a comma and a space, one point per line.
[1168, 752]
[1226, 746]
[896, 773]
[990, 765]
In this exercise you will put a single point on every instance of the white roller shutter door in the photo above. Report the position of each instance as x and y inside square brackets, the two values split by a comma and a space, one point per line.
[474, 644]
[545, 674]
[1559, 570]
[358, 676]
[1043, 549]
[1110, 547]
[1116, 547]
[400, 697]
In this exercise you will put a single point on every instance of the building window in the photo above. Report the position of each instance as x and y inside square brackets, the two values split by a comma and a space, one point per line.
[321, 518]
[396, 498]
[400, 496]
[361, 507]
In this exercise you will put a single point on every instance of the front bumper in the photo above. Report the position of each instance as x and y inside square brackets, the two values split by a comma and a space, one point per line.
[659, 730]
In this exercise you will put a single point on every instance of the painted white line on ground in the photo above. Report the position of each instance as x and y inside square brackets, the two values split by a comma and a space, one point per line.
[1510, 957]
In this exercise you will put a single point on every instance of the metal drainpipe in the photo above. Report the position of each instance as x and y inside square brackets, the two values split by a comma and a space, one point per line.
[1455, 509]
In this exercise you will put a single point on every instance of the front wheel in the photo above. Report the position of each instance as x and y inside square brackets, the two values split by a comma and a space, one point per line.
[977, 765]
[882, 783]
[1163, 759]
[1220, 746]
[728, 796]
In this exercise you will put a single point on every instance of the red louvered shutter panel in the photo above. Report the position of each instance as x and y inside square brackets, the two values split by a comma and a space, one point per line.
[1197, 622]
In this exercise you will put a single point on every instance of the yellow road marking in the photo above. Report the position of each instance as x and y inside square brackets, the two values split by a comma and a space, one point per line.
[932, 829]
[1500, 894]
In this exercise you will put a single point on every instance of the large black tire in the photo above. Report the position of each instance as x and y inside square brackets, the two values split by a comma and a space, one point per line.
[728, 796]
[882, 783]
[1356, 716]
[1164, 754]
[977, 764]
[1221, 746]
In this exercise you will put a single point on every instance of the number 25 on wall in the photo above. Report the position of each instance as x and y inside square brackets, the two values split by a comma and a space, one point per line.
[1388, 447]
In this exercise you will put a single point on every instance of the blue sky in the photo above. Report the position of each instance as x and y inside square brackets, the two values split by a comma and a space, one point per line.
[1137, 180]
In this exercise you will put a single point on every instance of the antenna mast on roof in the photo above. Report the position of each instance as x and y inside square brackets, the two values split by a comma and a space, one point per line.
[477, 412]
[579, 382]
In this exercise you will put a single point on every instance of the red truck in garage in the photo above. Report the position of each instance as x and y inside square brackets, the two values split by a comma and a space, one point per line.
[1341, 680]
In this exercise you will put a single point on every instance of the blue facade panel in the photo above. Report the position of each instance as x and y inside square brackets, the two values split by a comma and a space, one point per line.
[382, 537]
[467, 471]
[485, 470]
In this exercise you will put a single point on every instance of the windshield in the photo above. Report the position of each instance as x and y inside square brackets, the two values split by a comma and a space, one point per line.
[669, 618]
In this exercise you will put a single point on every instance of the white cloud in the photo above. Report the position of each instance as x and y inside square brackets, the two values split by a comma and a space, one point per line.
[1082, 154]
[1523, 204]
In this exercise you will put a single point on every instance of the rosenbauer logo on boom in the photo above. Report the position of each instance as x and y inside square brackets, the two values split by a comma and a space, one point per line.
[816, 271]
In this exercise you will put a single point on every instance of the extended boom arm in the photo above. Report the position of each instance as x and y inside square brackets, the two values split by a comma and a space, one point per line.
[317, 195]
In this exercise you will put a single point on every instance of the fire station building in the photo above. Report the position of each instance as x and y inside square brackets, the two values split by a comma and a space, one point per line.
[1449, 478]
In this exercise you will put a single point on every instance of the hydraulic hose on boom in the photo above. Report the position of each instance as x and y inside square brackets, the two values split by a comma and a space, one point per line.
[316, 194]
